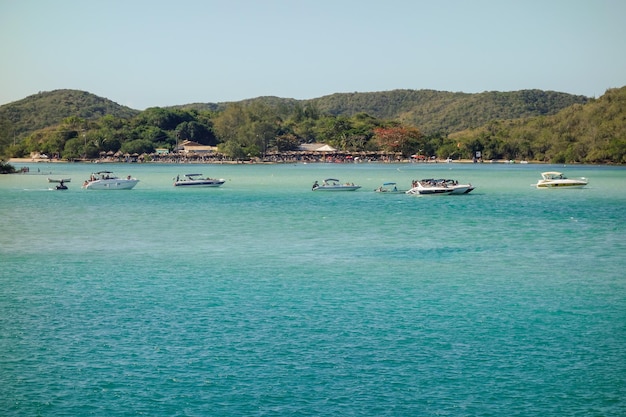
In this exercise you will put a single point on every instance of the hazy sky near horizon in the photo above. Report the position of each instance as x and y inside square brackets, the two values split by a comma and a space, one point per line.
[147, 53]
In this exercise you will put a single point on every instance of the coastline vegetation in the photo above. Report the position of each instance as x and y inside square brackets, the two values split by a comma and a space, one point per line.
[6, 168]
[527, 125]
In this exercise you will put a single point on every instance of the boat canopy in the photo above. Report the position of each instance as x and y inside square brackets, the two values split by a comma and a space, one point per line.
[192, 175]
[552, 175]
[389, 183]
[331, 179]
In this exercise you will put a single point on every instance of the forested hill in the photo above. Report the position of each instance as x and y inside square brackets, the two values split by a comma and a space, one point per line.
[593, 133]
[430, 111]
[446, 112]
[51, 107]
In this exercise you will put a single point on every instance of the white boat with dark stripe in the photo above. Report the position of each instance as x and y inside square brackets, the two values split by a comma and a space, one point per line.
[105, 180]
[333, 184]
[553, 179]
[197, 181]
[433, 186]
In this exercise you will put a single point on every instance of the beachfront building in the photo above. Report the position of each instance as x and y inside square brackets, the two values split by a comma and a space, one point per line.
[316, 147]
[191, 147]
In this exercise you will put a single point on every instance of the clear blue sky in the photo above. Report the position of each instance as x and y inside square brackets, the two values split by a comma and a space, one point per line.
[146, 53]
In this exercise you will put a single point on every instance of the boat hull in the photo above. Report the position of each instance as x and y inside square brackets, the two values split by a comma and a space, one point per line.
[440, 187]
[561, 184]
[337, 188]
[459, 189]
[199, 184]
[462, 189]
[111, 184]
[430, 191]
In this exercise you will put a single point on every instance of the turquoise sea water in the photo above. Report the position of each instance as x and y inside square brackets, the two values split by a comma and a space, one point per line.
[264, 298]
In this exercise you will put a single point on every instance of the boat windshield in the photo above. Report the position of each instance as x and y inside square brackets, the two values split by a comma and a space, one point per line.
[102, 175]
[553, 176]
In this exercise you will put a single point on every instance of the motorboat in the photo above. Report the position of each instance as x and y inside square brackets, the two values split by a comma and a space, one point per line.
[197, 180]
[333, 184]
[389, 187]
[105, 180]
[429, 187]
[60, 183]
[553, 179]
[459, 188]
[433, 186]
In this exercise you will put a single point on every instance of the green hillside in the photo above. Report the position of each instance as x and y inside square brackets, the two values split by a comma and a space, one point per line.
[430, 111]
[45, 109]
[592, 133]
[445, 112]
[528, 124]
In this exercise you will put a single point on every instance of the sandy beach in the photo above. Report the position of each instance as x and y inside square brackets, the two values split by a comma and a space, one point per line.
[193, 161]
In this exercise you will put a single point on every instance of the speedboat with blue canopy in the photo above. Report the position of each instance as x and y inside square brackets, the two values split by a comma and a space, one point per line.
[333, 184]
[389, 187]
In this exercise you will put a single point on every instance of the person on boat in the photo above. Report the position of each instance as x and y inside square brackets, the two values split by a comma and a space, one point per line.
[315, 185]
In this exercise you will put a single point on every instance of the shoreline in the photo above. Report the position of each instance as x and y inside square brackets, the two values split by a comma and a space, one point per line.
[252, 162]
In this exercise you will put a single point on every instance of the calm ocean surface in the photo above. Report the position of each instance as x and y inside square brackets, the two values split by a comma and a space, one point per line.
[262, 298]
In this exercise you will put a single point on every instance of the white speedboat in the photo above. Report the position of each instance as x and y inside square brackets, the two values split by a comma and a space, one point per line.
[439, 187]
[105, 180]
[553, 179]
[459, 188]
[332, 184]
[196, 180]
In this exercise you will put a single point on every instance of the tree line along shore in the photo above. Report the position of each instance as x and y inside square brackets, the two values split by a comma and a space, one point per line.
[263, 130]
